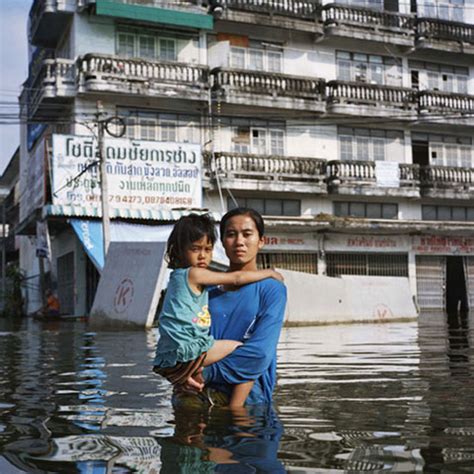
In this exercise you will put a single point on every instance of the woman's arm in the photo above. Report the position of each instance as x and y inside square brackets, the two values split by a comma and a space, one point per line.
[249, 361]
[239, 394]
[205, 277]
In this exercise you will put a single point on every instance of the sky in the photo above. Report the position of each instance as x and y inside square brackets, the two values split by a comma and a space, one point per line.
[13, 70]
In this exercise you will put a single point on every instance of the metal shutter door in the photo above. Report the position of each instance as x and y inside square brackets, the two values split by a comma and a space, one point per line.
[469, 270]
[430, 282]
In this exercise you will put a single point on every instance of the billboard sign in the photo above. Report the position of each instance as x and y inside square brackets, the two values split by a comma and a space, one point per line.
[142, 175]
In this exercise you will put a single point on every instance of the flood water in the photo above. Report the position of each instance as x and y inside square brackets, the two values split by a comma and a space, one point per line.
[395, 397]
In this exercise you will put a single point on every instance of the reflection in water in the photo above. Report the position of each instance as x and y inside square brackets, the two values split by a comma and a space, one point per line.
[392, 397]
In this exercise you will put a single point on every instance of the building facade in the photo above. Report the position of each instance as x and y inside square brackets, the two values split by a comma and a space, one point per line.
[349, 126]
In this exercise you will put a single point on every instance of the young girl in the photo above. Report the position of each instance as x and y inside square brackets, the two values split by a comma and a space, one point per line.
[185, 343]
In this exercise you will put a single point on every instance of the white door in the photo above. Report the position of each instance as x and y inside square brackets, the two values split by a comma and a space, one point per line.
[431, 282]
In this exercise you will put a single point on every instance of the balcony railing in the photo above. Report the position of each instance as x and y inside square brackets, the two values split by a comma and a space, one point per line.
[447, 175]
[370, 94]
[359, 172]
[430, 100]
[261, 167]
[304, 9]
[430, 28]
[57, 77]
[257, 82]
[366, 18]
[114, 70]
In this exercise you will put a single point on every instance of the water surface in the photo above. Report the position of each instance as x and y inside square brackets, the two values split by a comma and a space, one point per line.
[393, 397]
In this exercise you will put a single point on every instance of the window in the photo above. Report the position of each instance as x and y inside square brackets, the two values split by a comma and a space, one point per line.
[297, 262]
[442, 77]
[368, 68]
[451, 10]
[267, 206]
[370, 144]
[145, 43]
[370, 264]
[366, 210]
[274, 59]
[168, 131]
[146, 47]
[168, 50]
[256, 59]
[126, 45]
[259, 140]
[237, 58]
[448, 150]
[145, 125]
[447, 213]
[148, 128]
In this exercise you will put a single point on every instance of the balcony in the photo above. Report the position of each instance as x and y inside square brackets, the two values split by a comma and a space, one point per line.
[266, 173]
[51, 89]
[358, 178]
[447, 182]
[111, 74]
[442, 103]
[366, 24]
[264, 89]
[450, 36]
[299, 15]
[372, 100]
[48, 20]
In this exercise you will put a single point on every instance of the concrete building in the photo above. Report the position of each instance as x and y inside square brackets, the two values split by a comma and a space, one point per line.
[348, 125]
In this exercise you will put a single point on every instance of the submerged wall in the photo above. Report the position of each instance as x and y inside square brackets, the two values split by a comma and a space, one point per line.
[318, 299]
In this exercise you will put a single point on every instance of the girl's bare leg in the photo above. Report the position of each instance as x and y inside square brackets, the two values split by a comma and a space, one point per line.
[220, 349]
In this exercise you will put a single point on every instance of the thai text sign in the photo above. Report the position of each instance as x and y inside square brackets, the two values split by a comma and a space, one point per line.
[438, 244]
[141, 174]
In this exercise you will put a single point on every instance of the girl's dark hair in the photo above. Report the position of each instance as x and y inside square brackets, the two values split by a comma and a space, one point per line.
[187, 230]
[243, 211]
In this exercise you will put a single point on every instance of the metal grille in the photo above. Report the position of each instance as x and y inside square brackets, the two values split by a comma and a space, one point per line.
[430, 282]
[298, 262]
[65, 265]
[469, 270]
[371, 264]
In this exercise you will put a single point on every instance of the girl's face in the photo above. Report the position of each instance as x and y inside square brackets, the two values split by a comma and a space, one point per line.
[199, 253]
[242, 242]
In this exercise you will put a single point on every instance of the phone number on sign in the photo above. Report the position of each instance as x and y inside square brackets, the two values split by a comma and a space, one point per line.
[182, 201]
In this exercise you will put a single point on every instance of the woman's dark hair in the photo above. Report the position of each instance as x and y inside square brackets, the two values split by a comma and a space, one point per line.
[187, 230]
[243, 211]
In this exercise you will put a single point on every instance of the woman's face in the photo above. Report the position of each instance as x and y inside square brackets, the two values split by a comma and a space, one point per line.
[242, 242]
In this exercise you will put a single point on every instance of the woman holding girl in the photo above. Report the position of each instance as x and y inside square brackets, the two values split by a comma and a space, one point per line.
[185, 344]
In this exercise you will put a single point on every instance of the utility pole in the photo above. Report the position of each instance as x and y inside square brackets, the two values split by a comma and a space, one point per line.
[101, 125]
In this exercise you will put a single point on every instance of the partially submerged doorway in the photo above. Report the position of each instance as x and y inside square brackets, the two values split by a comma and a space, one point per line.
[456, 294]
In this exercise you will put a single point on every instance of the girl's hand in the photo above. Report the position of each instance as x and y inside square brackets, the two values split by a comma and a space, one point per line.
[194, 383]
[275, 275]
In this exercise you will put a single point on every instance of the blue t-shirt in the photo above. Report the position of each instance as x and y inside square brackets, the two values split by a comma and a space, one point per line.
[254, 315]
[184, 323]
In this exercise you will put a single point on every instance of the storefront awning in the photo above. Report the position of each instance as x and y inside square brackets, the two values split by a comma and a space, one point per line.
[90, 234]
[138, 214]
[153, 14]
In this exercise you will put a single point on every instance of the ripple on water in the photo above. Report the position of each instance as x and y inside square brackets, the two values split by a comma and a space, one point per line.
[393, 397]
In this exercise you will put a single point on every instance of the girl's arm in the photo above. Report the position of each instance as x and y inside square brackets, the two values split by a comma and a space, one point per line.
[205, 277]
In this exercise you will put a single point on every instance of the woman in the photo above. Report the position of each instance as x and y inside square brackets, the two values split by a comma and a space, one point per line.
[252, 314]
